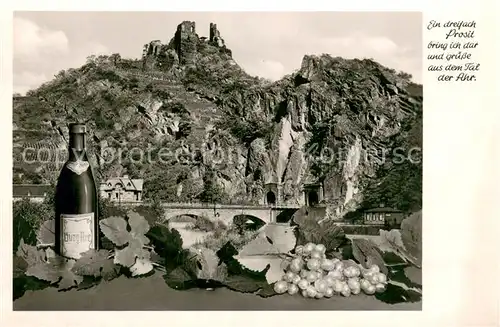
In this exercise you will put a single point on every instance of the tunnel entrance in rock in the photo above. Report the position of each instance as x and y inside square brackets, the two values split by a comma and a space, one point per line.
[312, 198]
[271, 198]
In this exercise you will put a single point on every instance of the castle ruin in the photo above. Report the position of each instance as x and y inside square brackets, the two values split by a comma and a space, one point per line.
[182, 48]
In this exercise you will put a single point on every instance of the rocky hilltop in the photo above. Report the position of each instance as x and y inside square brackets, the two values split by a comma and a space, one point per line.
[334, 125]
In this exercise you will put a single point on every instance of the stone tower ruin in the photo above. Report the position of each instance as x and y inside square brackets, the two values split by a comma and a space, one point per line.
[186, 42]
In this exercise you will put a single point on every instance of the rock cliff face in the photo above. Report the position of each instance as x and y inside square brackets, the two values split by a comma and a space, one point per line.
[325, 133]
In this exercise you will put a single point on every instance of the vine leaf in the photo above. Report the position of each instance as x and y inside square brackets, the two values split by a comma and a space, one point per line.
[56, 269]
[30, 253]
[115, 229]
[139, 226]
[126, 256]
[96, 264]
[244, 284]
[49, 253]
[179, 279]
[266, 291]
[68, 278]
[46, 232]
[207, 265]
[141, 266]
[367, 254]
[19, 266]
[398, 294]
[273, 239]
[268, 264]
[167, 244]
[411, 236]
[133, 256]
[44, 271]
[414, 274]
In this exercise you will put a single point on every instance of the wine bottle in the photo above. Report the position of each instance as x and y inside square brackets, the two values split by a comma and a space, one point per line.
[76, 223]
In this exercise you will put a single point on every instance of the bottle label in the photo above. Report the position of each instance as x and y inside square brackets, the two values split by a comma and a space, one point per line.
[78, 166]
[77, 234]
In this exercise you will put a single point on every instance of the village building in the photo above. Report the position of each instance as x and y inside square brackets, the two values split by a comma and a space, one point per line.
[383, 216]
[122, 189]
[32, 192]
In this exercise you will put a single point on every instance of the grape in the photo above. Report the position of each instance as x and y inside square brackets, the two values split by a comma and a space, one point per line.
[320, 248]
[356, 291]
[289, 276]
[298, 261]
[311, 291]
[370, 290]
[304, 293]
[319, 295]
[338, 286]
[339, 265]
[313, 264]
[280, 287]
[321, 273]
[348, 272]
[304, 273]
[296, 265]
[335, 260]
[303, 284]
[336, 274]
[364, 283]
[353, 283]
[320, 285]
[308, 248]
[382, 278]
[285, 264]
[296, 279]
[329, 292]
[316, 255]
[311, 276]
[346, 291]
[327, 264]
[379, 288]
[299, 250]
[374, 279]
[368, 276]
[374, 268]
[356, 271]
[329, 280]
[295, 268]
[292, 289]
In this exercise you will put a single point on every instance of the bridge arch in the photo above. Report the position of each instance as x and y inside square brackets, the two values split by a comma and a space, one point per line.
[183, 218]
[248, 222]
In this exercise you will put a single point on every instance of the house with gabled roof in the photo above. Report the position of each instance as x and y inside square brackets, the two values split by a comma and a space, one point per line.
[383, 216]
[122, 189]
[32, 192]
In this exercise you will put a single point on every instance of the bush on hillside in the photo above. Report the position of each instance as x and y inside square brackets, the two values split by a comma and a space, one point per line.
[27, 218]
[205, 224]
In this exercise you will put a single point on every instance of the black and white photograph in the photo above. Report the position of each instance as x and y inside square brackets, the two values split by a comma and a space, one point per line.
[227, 161]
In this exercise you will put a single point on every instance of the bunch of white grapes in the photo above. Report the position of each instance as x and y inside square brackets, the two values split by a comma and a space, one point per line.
[315, 276]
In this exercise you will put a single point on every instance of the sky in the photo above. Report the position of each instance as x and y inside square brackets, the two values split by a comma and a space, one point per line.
[265, 44]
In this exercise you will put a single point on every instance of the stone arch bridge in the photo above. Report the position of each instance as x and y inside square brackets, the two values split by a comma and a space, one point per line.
[226, 212]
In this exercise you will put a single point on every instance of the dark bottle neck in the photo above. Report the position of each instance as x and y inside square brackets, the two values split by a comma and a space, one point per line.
[77, 147]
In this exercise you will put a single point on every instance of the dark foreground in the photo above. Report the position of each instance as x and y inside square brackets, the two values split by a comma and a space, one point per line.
[152, 293]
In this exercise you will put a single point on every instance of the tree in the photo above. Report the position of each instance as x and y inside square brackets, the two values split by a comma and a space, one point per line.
[212, 191]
